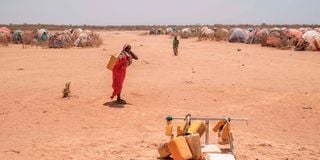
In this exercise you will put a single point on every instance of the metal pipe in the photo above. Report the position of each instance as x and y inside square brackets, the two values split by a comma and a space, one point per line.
[211, 119]
[188, 123]
[207, 120]
[207, 132]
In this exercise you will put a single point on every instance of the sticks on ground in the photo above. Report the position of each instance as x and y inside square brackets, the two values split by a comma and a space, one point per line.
[66, 91]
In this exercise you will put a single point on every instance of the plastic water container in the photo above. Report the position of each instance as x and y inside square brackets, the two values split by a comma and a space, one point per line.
[111, 62]
[179, 148]
[169, 129]
[197, 127]
[164, 150]
[193, 141]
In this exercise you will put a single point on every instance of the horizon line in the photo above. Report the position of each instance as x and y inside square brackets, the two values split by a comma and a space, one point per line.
[196, 24]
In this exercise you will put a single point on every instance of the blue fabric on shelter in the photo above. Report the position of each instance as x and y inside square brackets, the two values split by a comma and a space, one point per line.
[238, 35]
[43, 34]
[17, 36]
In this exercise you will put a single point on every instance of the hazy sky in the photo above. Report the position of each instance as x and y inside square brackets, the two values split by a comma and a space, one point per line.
[131, 12]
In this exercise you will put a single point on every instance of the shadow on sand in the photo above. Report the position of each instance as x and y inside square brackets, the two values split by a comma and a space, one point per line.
[114, 104]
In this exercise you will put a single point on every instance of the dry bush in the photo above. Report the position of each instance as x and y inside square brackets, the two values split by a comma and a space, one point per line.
[66, 91]
[4, 41]
[96, 40]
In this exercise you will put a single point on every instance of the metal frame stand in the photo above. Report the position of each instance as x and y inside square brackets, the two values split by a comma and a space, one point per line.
[207, 120]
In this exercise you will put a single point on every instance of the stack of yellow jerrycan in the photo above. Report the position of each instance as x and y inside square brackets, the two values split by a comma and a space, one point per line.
[179, 148]
[186, 145]
[214, 152]
[194, 144]
[224, 133]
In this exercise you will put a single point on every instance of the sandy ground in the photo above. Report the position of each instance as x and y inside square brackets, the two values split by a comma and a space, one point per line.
[278, 90]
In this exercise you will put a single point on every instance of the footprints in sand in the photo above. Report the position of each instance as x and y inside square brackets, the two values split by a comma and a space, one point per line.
[188, 82]
[256, 146]
[143, 144]
[3, 113]
[283, 151]
[132, 151]
[136, 94]
[143, 62]
[13, 151]
[307, 107]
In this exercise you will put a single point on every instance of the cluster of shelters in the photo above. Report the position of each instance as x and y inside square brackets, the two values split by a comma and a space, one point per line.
[59, 39]
[298, 38]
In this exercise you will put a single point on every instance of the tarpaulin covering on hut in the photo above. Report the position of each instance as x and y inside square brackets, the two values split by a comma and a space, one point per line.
[310, 41]
[238, 35]
[42, 34]
[60, 40]
[277, 38]
[17, 36]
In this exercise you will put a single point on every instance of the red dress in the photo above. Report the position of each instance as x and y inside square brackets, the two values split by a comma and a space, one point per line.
[119, 74]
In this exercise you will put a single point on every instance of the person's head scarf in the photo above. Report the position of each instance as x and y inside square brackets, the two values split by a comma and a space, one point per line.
[125, 47]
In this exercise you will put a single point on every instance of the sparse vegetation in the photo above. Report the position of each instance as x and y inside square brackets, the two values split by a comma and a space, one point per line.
[66, 91]
[96, 40]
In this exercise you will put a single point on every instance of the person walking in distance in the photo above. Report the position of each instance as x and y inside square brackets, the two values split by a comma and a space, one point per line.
[175, 45]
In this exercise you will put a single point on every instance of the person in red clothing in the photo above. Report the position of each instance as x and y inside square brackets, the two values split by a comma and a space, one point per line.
[119, 71]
